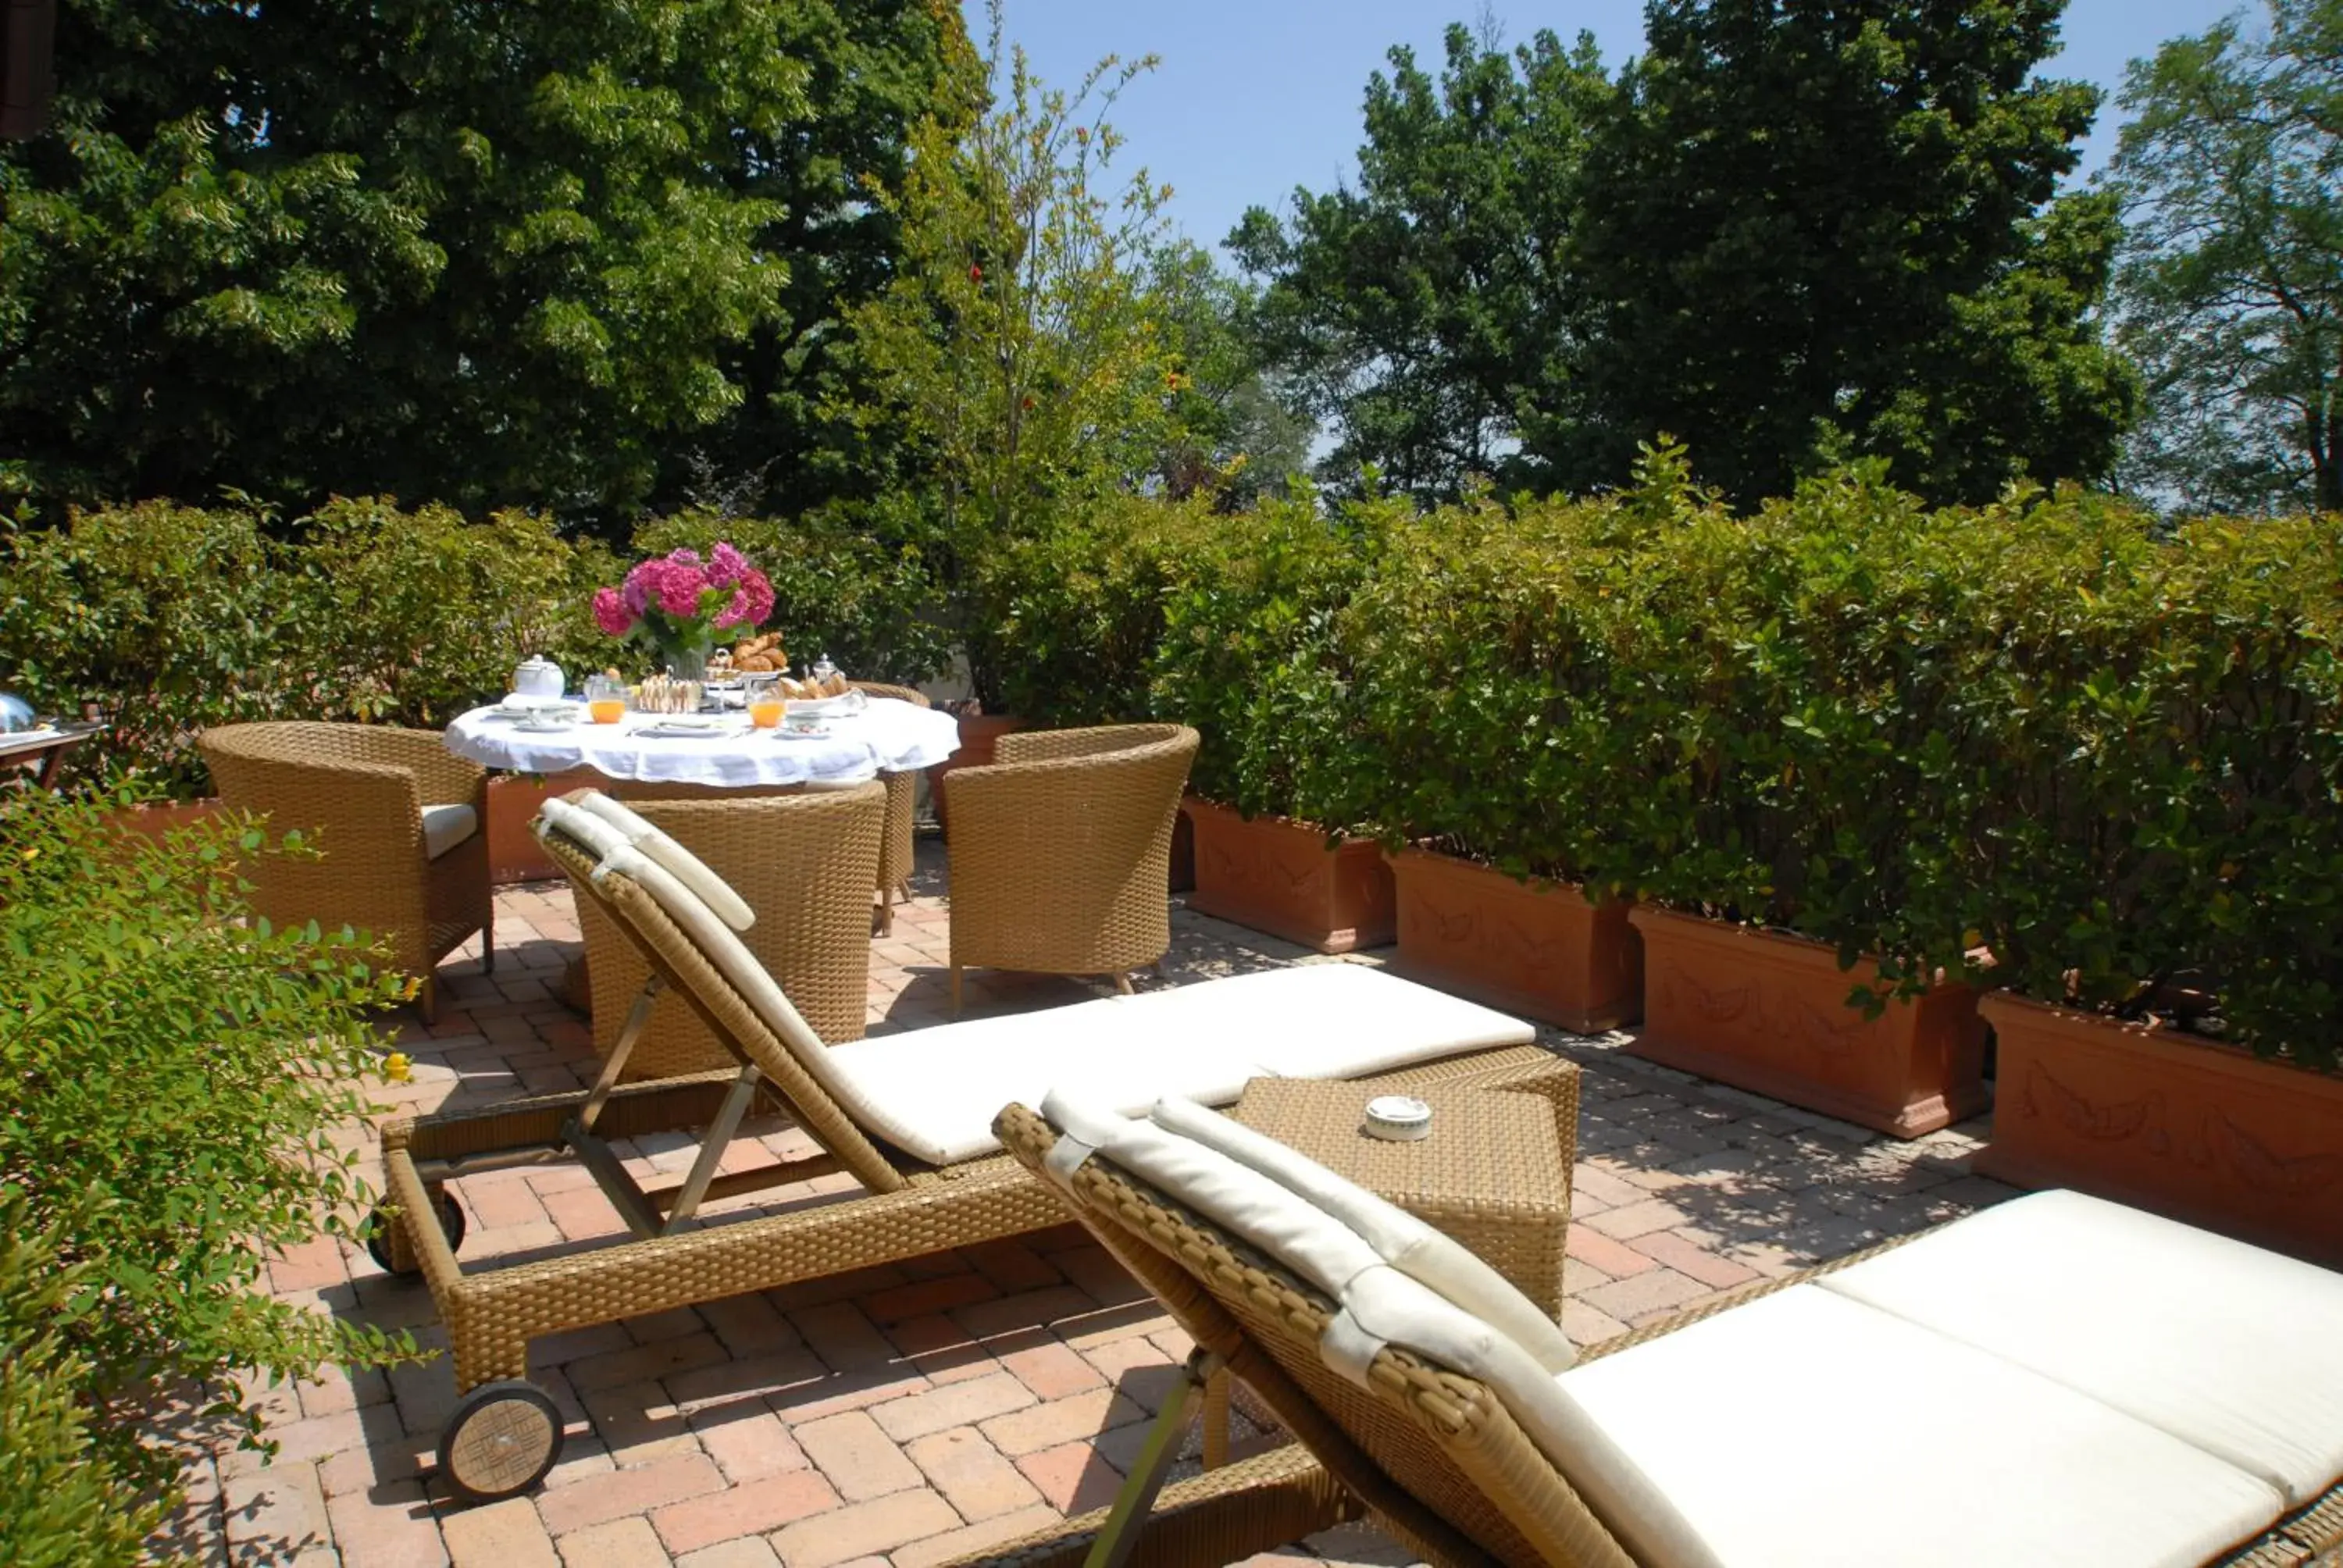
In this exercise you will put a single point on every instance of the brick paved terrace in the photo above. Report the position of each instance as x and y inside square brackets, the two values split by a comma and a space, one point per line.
[911, 1414]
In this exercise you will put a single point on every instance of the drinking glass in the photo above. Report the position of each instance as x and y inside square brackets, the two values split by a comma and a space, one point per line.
[605, 699]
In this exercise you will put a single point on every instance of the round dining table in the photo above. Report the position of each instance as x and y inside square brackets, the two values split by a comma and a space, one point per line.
[886, 736]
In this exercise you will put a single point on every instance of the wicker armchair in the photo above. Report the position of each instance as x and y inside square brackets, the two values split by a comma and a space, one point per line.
[1061, 850]
[806, 864]
[397, 856]
[902, 790]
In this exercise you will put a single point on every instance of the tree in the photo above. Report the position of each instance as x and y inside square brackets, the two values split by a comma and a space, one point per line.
[2231, 285]
[1822, 229]
[487, 255]
[1235, 432]
[1016, 341]
[1429, 314]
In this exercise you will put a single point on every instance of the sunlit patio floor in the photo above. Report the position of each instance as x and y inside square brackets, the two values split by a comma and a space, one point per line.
[912, 1413]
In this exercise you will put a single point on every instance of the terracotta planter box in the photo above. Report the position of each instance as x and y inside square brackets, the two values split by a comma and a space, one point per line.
[1768, 1013]
[1277, 875]
[2204, 1132]
[1537, 948]
[513, 800]
[978, 734]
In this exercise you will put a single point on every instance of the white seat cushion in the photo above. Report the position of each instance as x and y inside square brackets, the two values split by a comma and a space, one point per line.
[1806, 1430]
[2237, 1350]
[933, 1092]
[444, 827]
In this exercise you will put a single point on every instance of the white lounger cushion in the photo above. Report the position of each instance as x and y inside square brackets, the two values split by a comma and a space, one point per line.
[933, 1092]
[444, 827]
[687, 868]
[1805, 1429]
[2237, 1350]
[1399, 1238]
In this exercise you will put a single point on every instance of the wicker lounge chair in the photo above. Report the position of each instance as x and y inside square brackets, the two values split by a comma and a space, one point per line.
[1061, 850]
[902, 798]
[2057, 1381]
[399, 823]
[905, 1116]
[804, 863]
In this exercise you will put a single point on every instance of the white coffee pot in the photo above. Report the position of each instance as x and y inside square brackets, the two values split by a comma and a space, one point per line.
[538, 676]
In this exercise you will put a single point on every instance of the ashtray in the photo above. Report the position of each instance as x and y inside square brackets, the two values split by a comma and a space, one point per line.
[1400, 1118]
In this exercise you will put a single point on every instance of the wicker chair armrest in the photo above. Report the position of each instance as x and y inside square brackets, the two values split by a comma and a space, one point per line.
[441, 775]
[1034, 797]
[1019, 746]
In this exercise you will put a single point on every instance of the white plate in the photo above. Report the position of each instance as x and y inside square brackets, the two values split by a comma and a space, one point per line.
[819, 733]
[683, 726]
[545, 726]
[516, 705]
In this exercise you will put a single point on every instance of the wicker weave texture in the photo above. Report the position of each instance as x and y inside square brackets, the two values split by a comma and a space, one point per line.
[902, 801]
[359, 790]
[1061, 850]
[806, 864]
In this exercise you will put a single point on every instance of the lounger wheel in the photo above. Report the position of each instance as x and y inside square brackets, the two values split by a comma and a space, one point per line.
[452, 1225]
[502, 1439]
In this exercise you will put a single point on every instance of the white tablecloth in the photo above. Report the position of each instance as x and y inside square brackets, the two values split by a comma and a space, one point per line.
[888, 736]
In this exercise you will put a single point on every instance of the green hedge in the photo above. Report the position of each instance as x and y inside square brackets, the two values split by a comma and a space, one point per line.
[173, 617]
[2109, 754]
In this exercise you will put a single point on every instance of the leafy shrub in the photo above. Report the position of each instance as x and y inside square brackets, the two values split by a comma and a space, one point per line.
[840, 586]
[175, 1077]
[1248, 654]
[58, 1508]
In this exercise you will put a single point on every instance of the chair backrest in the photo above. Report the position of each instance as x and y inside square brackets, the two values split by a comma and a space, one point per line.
[886, 688]
[701, 959]
[1435, 1454]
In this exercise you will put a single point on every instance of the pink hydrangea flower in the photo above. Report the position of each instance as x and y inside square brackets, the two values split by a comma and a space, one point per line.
[611, 614]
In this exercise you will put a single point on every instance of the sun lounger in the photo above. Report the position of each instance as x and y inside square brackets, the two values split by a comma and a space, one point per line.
[907, 1116]
[2057, 1381]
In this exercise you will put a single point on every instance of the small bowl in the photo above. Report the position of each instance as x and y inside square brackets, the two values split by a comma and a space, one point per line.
[1399, 1117]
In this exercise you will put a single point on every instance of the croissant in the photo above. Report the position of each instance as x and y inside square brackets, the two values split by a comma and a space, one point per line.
[835, 686]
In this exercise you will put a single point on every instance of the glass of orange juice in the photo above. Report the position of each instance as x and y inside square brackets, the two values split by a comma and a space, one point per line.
[765, 705]
[605, 699]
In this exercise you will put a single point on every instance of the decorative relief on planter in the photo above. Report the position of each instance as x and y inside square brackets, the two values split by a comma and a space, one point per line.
[1537, 948]
[1278, 876]
[2202, 1131]
[1767, 1012]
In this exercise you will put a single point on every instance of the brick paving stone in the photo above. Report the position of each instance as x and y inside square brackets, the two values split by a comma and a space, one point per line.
[1632, 1219]
[1640, 1295]
[274, 1510]
[860, 1529]
[749, 1552]
[749, 1509]
[941, 1350]
[966, 1542]
[1672, 1247]
[955, 1404]
[630, 1542]
[859, 1460]
[1616, 1259]
[1053, 1370]
[974, 1476]
[506, 1535]
[389, 1527]
[748, 1441]
[625, 1492]
[1072, 1477]
[1081, 1415]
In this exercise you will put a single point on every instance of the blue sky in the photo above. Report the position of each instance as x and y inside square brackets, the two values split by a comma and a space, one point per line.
[1255, 99]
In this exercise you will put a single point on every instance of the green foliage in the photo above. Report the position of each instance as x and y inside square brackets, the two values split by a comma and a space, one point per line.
[1233, 436]
[2110, 754]
[1822, 233]
[1429, 314]
[58, 1508]
[176, 1077]
[2231, 292]
[1246, 656]
[839, 588]
[173, 617]
[497, 255]
[1015, 343]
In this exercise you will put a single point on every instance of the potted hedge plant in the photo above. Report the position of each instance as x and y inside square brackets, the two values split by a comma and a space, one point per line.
[1249, 659]
[2170, 1037]
[1475, 663]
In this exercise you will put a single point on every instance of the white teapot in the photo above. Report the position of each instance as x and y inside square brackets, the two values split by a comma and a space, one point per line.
[538, 676]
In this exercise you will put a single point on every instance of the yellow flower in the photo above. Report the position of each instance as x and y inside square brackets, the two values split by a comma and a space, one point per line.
[397, 1067]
